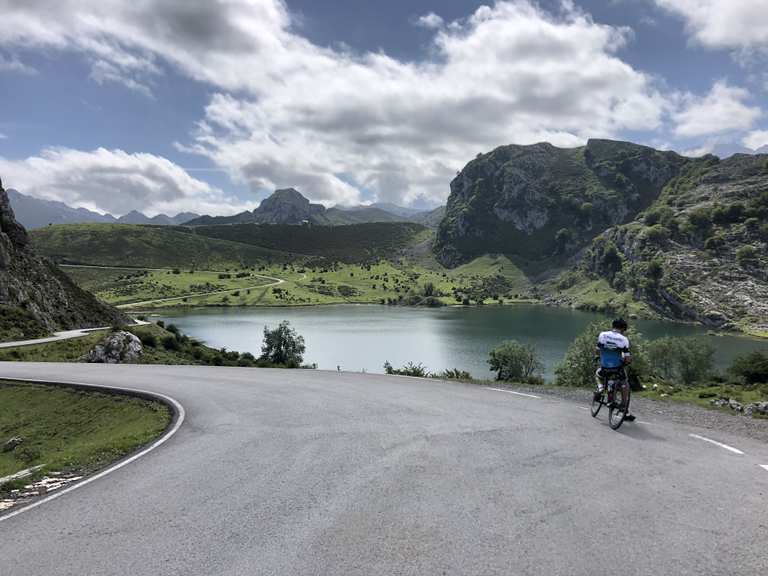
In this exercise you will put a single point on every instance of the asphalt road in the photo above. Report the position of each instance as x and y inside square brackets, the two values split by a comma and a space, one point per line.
[305, 472]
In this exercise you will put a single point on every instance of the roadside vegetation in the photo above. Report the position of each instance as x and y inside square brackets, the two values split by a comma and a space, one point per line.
[68, 430]
[17, 324]
[166, 344]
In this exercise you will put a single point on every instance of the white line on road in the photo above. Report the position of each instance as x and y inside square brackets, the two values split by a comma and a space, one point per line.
[513, 392]
[164, 438]
[764, 466]
[716, 443]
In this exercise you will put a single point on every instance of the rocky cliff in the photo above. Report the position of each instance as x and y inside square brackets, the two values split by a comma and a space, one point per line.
[535, 203]
[700, 252]
[35, 296]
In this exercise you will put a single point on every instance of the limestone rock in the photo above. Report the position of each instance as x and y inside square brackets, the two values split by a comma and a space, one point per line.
[117, 348]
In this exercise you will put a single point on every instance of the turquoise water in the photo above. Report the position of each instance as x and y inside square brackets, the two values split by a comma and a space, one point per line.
[363, 337]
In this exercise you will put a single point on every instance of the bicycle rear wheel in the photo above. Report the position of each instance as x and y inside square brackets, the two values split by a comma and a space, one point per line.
[620, 406]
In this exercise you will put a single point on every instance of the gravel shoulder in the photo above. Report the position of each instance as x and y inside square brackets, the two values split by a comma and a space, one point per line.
[662, 410]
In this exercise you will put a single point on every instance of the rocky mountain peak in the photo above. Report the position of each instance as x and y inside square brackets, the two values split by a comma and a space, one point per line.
[286, 206]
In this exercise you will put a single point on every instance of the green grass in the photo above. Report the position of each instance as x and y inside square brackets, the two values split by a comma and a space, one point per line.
[352, 243]
[62, 351]
[131, 285]
[19, 324]
[146, 247]
[66, 429]
[702, 395]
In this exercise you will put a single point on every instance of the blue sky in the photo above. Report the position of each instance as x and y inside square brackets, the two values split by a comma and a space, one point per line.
[171, 105]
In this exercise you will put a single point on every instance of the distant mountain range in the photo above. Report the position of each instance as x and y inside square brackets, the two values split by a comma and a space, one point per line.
[286, 206]
[289, 206]
[35, 213]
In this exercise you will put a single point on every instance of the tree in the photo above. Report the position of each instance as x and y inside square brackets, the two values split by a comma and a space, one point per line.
[751, 367]
[283, 346]
[514, 361]
[681, 360]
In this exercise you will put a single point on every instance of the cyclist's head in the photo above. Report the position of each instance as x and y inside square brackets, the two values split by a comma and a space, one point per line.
[620, 324]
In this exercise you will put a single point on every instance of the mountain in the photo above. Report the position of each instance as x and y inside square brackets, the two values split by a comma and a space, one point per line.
[429, 218]
[34, 213]
[620, 227]
[289, 206]
[35, 296]
[402, 211]
[541, 203]
[700, 252]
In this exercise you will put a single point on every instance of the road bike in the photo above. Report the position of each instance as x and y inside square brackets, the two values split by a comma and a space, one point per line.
[615, 395]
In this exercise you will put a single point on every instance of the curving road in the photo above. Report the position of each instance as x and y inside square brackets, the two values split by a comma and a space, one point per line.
[319, 473]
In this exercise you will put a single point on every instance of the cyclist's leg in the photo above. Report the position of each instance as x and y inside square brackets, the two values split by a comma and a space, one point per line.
[600, 385]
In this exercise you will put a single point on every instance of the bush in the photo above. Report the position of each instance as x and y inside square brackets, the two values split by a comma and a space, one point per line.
[681, 360]
[173, 329]
[148, 340]
[283, 346]
[410, 369]
[752, 368]
[514, 361]
[578, 367]
[453, 374]
[171, 343]
[746, 256]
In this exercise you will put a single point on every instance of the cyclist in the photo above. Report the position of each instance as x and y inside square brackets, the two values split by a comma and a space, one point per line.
[613, 352]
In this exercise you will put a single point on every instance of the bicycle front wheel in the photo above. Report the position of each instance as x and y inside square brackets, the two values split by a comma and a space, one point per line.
[620, 407]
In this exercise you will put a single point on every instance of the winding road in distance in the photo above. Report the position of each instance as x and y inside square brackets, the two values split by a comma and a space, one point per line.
[277, 472]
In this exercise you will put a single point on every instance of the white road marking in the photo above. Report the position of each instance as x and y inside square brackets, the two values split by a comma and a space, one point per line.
[764, 466]
[716, 443]
[515, 393]
[582, 407]
[181, 414]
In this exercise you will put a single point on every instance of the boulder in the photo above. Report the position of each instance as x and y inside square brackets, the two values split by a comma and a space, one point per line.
[11, 444]
[117, 348]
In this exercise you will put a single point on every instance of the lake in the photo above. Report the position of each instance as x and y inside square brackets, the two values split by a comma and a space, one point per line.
[363, 337]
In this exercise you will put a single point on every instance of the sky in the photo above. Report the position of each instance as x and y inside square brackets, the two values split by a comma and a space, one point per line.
[210, 105]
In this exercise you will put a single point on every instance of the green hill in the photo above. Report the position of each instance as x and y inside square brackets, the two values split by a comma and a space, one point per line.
[351, 243]
[147, 246]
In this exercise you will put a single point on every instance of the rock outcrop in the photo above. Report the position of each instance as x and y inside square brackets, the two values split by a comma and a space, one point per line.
[700, 253]
[118, 348]
[539, 202]
[33, 287]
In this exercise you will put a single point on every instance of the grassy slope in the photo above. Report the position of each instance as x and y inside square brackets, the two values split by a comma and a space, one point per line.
[74, 349]
[131, 285]
[66, 429]
[352, 243]
[146, 246]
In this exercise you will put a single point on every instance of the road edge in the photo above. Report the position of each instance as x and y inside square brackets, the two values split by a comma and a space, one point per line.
[178, 415]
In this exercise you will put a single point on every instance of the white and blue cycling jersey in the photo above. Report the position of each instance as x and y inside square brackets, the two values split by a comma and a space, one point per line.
[613, 345]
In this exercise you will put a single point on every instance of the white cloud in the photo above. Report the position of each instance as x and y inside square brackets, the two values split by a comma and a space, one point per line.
[722, 110]
[431, 21]
[113, 181]
[723, 23]
[3, 136]
[336, 123]
[756, 139]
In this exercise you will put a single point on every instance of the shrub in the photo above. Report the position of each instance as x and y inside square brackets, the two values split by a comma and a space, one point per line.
[283, 346]
[715, 242]
[410, 369]
[172, 328]
[578, 366]
[514, 361]
[656, 234]
[453, 374]
[684, 360]
[746, 256]
[148, 340]
[161, 323]
[752, 368]
[171, 343]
